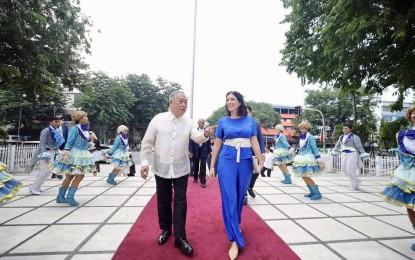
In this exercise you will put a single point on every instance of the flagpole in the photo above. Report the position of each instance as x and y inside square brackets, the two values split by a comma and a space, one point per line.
[194, 58]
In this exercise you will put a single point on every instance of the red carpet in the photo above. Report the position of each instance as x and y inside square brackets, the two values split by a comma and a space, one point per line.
[205, 232]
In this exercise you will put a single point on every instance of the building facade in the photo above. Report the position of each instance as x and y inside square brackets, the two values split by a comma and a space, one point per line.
[387, 115]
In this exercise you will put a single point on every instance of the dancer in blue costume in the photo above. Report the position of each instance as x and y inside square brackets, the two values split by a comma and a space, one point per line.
[306, 163]
[75, 160]
[8, 186]
[282, 153]
[235, 136]
[118, 154]
[400, 190]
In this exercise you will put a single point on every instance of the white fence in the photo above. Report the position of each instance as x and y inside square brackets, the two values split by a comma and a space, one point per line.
[378, 166]
[17, 156]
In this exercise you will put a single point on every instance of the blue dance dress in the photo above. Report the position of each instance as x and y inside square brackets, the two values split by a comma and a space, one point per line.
[305, 162]
[80, 160]
[8, 185]
[234, 177]
[400, 190]
[118, 155]
[282, 150]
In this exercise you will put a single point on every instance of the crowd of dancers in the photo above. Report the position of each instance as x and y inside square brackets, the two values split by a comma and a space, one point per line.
[237, 158]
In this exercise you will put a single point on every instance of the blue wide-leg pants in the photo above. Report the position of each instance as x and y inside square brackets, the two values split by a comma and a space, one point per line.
[234, 179]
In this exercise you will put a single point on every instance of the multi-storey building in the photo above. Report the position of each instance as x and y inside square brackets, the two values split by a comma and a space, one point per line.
[287, 113]
[389, 116]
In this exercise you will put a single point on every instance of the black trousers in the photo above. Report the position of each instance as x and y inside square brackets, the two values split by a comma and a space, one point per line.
[168, 216]
[263, 171]
[199, 169]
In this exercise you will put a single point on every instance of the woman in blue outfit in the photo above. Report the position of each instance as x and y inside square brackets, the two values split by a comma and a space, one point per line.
[306, 163]
[75, 160]
[401, 189]
[282, 153]
[235, 136]
[8, 186]
[118, 154]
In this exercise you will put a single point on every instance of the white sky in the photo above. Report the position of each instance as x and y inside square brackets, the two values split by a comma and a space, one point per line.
[237, 48]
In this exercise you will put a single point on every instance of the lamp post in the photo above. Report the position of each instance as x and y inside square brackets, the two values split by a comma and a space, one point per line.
[54, 108]
[324, 127]
[20, 117]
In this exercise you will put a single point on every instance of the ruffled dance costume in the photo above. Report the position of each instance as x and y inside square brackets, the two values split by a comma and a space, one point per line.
[282, 155]
[400, 190]
[118, 156]
[305, 163]
[8, 186]
[80, 159]
[79, 162]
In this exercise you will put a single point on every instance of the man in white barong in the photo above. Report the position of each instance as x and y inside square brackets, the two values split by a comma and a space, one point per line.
[352, 154]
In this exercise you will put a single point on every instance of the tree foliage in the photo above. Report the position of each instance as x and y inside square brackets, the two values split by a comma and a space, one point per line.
[261, 112]
[150, 99]
[388, 131]
[41, 43]
[350, 44]
[337, 109]
[107, 101]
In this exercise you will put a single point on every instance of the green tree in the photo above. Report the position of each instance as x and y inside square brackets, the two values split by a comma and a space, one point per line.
[337, 108]
[107, 101]
[388, 131]
[41, 46]
[262, 112]
[352, 44]
[150, 99]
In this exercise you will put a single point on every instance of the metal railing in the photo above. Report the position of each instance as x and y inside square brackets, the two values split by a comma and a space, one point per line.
[377, 166]
[17, 156]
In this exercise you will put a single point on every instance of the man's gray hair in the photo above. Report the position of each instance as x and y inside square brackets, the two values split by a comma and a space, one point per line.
[175, 93]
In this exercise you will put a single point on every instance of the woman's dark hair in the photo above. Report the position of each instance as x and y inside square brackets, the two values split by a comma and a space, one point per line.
[242, 110]
[350, 126]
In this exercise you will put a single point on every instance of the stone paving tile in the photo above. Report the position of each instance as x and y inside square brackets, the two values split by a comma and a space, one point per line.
[369, 250]
[64, 235]
[373, 228]
[314, 252]
[13, 235]
[401, 245]
[92, 256]
[362, 220]
[45, 215]
[300, 211]
[336, 210]
[37, 257]
[126, 215]
[138, 201]
[109, 237]
[89, 215]
[281, 199]
[290, 232]
[327, 229]
[8, 213]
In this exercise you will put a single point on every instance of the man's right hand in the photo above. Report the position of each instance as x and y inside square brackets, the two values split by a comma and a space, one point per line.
[144, 172]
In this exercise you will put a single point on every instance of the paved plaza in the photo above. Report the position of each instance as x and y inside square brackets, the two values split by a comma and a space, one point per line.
[345, 224]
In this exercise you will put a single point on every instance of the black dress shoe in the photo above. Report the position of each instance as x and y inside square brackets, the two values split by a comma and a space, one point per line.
[54, 176]
[60, 177]
[183, 244]
[203, 185]
[164, 236]
[251, 192]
